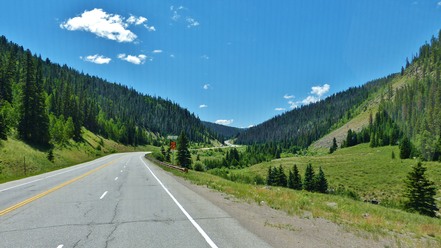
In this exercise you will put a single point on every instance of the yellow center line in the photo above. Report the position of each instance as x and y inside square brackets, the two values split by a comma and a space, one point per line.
[29, 200]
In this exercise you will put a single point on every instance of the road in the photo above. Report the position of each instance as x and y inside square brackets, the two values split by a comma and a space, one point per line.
[121, 200]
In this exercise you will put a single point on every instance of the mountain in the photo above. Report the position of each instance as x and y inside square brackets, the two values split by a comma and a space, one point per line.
[410, 101]
[71, 100]
[223, 132]
[301, 126]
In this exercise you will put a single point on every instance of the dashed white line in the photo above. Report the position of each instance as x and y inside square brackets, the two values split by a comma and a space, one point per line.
[121, 171]
[116, 178]
[60, 246]
[104, 194]
[195, 224]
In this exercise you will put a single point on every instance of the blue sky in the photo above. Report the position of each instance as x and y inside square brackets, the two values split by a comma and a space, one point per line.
[235, 62]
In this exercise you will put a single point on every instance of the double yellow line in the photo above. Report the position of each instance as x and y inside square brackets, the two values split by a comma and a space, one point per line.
[29, 200]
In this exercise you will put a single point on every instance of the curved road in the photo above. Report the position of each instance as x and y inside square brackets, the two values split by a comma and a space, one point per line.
[121, 200]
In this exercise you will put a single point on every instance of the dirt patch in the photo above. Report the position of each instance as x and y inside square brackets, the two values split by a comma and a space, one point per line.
[281, 230]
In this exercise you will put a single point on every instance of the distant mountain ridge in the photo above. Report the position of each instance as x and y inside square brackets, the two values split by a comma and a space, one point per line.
[225, 132]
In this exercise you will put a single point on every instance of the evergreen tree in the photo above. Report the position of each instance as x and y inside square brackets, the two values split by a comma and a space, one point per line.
[420, 192]
[308, 182]
[41, 121]
[295, 180]
[321, 184]
[270, 178]
[184, 156]
[34, 121]
[290, 183]
[3, 127]
[25, 126]
[281, 176]
[167, 155]
[334, 146]
[405, 148]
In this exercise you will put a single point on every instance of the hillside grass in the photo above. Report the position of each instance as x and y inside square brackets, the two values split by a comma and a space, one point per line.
[370, 172]
[363, 219]
[19, 160]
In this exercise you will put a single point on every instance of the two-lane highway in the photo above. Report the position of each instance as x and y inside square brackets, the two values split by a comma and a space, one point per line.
[121, 200]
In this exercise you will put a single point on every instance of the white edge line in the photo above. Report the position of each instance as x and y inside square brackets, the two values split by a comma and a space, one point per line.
[195, 224]
[104, 194]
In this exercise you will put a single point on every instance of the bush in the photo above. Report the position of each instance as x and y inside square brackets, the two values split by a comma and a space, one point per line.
[198, 166]
[343, 191]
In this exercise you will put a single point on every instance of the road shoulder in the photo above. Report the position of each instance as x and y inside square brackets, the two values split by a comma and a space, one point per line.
[281, 230]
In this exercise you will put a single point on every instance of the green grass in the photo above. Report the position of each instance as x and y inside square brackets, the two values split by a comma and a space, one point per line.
[370, 172]
[367, 220]
[19, 160]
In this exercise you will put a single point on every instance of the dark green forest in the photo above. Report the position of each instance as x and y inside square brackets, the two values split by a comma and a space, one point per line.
[45, 103]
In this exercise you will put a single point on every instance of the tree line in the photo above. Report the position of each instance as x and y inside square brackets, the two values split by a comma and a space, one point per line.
[311, 182]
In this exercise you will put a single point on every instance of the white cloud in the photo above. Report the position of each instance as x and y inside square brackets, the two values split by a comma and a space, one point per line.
[177, 14]
[172, 56]
[206, 86]
[279, 109]
[136, 20]
[439, 3]
[97, 59]
[288, 96]
[102, 24]
[191, 22]
[150, 28]
[134, 59]
[205, 57]
[157, 51]
[203, 106]
[320, 90]
[310, 99]
[224, 122]
[250, 126]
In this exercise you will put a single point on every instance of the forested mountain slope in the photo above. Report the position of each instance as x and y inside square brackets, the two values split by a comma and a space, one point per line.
[301, 126]
[416, 105]
[46, 102]
[224, 132]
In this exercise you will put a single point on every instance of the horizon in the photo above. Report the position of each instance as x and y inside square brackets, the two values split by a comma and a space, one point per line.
[237, 71]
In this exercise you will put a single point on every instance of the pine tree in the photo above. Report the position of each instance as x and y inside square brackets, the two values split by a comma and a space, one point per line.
[184, 156]
[334, 146]
[41, 121]
[321, 184]
[3, 127]
[308, 182]
[405, 148]
[290, 183]
[28, 96]
[34, 122]
[281, 177]
[270, 178]
[420, 192]
[295, 180]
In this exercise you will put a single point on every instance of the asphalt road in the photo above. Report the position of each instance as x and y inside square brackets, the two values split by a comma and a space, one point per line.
[121, 200]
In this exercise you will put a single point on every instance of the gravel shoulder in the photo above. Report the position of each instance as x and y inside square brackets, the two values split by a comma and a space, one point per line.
[282, 230]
